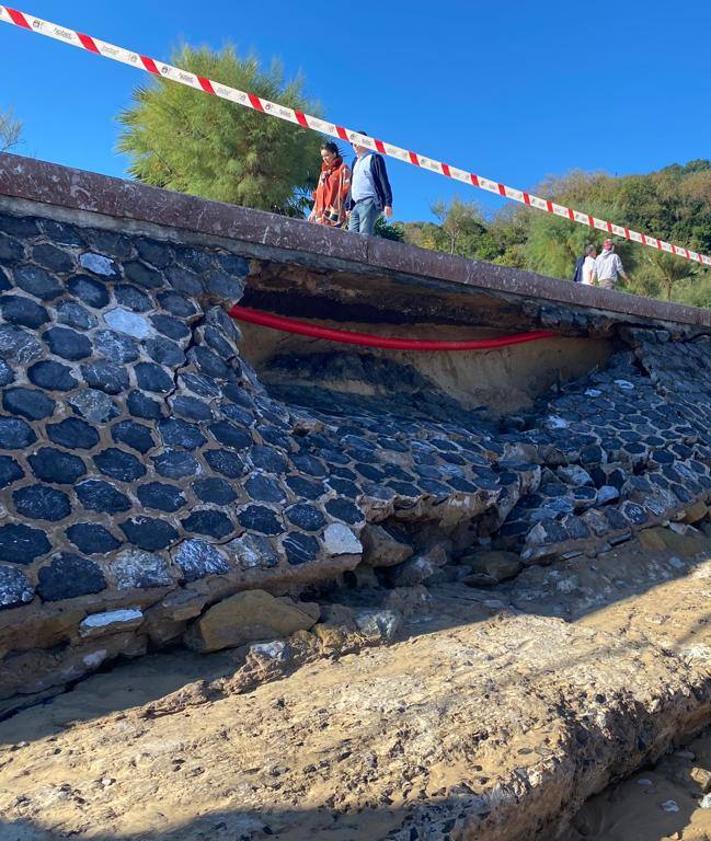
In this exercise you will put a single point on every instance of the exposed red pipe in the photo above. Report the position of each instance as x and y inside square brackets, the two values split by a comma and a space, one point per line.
[304, 328]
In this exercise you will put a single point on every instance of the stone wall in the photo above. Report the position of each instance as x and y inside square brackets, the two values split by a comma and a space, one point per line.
[147, 473]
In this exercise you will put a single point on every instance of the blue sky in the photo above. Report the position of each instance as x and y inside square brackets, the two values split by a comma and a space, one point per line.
[514, 91]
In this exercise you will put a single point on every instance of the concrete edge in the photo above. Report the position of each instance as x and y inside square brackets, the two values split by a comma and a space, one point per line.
[52, 184]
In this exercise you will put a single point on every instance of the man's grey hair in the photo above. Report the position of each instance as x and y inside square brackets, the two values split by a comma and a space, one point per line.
[589, 249]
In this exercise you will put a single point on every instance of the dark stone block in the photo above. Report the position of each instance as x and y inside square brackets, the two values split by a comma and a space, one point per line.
[10, 471]
[60, 232]
[196, 559]
[180, 433]
[4, 280]
[73, 314]
[406, 488]
[194, 259]
[226, 463]
[267, 458]
[191, 407]
[94, 405]
[97, 495]
[344, 509]
[52, 376]
[92, 539]
[160, 496]
[305, 517]
[344, 473]
[238, 394]
[28, 402]
[105, 376]
[177, 305]
[18, 310]
[148, 534]
[132, 298]
[15, 588]
[300, 548]
[176, 464]
[21, 544]
[152, 377]
[56, 466]
[230, 435]
[170, 327]
[261, 519]
[40, 502]
[368, 471]
[202, 386]
[18, 226]
[117, 347]
[184, 281]
[209, 522]
[158, 254]
[215, 490]
[73, 434]
[69, 576]
[237, 413]
[11, 250]
[345, 487]
[217, 342]
[134, 435]
[143, 275]
[6, 374]
[209, 364]
[89, 291]
[263, 489]
[308, 464]
[225, 287]
[142, 406]
[113, 244]
[18, 345]
[233, 264]
[15, 434]
[38, 282]
[53, 258]
[165, 352]
[119, 465]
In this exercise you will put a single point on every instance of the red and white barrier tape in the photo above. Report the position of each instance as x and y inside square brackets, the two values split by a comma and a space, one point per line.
[273, 109]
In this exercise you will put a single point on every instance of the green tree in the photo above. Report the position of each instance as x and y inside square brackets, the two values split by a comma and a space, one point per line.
[386, 230]
[182, 140]
[10, 131]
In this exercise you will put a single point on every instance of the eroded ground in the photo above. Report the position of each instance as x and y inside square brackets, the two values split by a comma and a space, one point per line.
[494, 716]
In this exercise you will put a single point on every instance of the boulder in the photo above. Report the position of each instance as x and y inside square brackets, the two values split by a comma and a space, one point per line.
[418, 569]
[249, 616]
[491, 567]
[696, 512]
[384, 547]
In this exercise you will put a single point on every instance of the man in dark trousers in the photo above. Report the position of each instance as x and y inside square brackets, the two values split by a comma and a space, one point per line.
[370, 190]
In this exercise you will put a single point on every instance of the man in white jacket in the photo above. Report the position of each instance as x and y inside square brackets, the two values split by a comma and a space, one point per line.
[608, 265]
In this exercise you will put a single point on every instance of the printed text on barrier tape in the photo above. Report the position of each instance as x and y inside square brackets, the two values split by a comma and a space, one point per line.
[349, 337]
[250, 100]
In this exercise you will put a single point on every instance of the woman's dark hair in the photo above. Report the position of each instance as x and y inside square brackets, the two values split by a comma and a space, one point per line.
[331, 147]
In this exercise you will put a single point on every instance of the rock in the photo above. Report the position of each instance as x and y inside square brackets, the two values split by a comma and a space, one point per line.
[705, 802]
[698, 511]
[98, 264]
[702, 778]
[338, 539]
[335, 631]
[491, 567]
[134, 568]
[607, 493]
[418, 569]
[378, 624]
[652, 539]
[111, 622]
[248, 616]
[383, 547]
[575, 476]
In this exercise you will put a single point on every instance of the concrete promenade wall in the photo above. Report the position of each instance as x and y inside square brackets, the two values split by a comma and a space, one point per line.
[146, 471]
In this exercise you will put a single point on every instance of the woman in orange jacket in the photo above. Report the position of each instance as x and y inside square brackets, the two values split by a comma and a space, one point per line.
[334, 184]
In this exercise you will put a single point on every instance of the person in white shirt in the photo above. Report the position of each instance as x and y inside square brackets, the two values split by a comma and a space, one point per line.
[608, 265]
[588, 270]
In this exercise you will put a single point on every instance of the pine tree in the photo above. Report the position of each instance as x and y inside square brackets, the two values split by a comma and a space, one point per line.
[184, 140]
